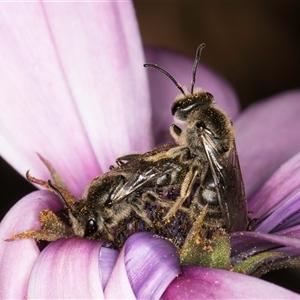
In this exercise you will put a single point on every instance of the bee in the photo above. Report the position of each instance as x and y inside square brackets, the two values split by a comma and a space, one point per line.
[163, 190]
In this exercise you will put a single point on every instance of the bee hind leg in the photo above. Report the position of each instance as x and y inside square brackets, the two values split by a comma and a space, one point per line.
[185, 191]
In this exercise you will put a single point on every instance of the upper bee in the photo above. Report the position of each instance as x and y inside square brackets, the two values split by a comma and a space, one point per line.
[202, 117]
[208, 134]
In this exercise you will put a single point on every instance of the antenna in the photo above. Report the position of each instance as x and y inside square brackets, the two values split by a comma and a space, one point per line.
[59, 194]
[194, 71]
[167, 74]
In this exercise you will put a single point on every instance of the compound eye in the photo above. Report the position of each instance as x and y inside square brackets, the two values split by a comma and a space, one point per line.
[91, 227]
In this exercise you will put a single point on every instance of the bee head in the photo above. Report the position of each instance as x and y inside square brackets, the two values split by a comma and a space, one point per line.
[82, 214]
[184, 105]
[84, 221]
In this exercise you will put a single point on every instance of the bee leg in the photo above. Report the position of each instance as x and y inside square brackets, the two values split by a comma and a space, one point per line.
[52, 229]
[145, 212]
[193, 239]
[153, 197]
[126, 158]
[138, 206]
[122, 160]
[183, 152]
[205, 247]
[175, 132]
[185, 191]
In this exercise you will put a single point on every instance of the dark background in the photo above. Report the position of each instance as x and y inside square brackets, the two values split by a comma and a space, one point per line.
[254, 45]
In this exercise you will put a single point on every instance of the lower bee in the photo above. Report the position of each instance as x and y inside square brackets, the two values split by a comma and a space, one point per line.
[164, 190]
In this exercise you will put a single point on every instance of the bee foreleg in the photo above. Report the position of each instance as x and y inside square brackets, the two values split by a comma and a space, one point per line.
[175, 132]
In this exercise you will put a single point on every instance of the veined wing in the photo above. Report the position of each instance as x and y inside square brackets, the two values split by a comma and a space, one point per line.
[144, 173]
[227, 177]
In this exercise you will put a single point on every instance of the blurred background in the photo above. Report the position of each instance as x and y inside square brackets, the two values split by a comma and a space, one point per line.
[255, 45]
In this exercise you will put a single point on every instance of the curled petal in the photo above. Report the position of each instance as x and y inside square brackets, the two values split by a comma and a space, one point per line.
[21, 254]
[267, 136]
[163, 91]
[107, 260]
[146, 266]
[204, 283]
[64, 68]
[76, 275]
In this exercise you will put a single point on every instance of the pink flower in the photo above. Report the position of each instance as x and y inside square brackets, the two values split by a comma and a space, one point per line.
[74, 90]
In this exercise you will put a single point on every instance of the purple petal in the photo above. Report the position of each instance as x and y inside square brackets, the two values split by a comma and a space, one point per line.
[163, 91]
[293, 231]
[281, 186]
[107, 37]
[284, 216]
[21, 255]
[68, 269]
[249, 243]
[204, 283]
[71, 74]
[267, 136]
[107, 260]
[146, 266]
[291, 252]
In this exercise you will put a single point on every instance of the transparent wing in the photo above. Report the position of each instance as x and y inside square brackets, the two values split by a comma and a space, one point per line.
[226, 173]
[142, 173]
